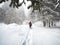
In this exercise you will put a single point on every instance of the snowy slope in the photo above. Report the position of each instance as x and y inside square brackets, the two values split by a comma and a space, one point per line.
[46, 36]
[14, 34]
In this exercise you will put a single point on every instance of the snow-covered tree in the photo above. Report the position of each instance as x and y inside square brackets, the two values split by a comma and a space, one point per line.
[13, 15]
[41, 5]
[2, 15]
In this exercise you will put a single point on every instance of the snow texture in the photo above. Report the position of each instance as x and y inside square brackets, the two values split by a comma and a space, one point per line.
[14, 34]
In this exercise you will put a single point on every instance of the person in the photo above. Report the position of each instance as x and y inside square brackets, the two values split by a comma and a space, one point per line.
[30, 24]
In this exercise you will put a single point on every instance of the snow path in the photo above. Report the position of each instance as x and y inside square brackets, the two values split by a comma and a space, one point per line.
[14, 34]
[46, 36]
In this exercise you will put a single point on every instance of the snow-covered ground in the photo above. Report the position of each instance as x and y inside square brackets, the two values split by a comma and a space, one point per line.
[14, 34]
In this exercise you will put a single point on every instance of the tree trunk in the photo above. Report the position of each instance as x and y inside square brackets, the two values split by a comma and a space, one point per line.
[44, 23]
[49, 23]
[52, 23]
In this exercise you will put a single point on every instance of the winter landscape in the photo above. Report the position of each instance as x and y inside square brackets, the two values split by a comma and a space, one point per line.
[30, 22]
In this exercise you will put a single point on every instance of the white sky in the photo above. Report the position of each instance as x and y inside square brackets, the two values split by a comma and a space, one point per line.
[25, 7]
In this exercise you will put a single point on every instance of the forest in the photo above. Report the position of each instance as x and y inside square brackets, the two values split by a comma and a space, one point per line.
[47, 11]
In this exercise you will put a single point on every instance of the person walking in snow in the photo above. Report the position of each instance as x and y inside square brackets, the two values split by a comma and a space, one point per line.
[30, 24]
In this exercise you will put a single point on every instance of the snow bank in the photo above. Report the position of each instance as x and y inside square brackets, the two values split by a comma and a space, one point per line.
[12, 34]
